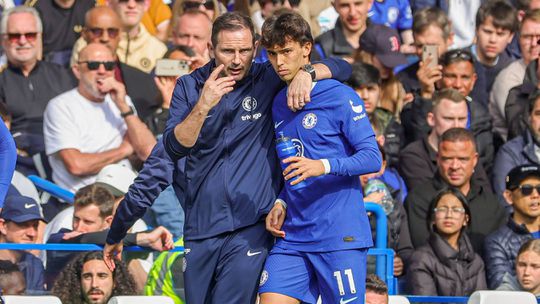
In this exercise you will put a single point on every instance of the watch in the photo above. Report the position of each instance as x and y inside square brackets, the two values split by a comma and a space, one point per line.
[130, 112]
[311, 70]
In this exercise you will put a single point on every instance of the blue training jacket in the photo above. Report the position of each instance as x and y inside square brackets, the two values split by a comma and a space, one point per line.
[232, 175]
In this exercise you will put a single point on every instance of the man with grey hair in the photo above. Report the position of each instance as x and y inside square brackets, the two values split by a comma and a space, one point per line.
[27, 84]
[193, 29]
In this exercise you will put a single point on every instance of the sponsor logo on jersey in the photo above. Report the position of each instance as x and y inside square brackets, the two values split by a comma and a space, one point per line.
[343, 301]
[392, 14]
[264, 277]
[252, 253]
[277, 124]
[359, 109]
[309, 121]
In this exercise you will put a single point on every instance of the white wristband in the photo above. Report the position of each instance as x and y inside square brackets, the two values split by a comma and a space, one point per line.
[282, 202]
[326, 165]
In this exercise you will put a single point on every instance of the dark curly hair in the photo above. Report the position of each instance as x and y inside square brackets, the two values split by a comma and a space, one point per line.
[68, 284]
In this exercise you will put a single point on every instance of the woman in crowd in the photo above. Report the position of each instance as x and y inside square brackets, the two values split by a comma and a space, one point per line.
[527, 270]
[447, 265]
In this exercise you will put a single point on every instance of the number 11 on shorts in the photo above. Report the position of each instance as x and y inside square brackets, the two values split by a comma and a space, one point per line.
[350, 278]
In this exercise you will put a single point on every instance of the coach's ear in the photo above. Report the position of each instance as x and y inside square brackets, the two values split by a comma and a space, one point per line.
[210, 48]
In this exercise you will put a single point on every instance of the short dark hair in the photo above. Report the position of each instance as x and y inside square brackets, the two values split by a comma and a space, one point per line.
[457, 55]
[425, 17]
[376, 285]
[503, 15]
[363, 74]
[95, 195]
[458, 134]
[232, 21]
[180, 48]
[533, 99]
[277, 29]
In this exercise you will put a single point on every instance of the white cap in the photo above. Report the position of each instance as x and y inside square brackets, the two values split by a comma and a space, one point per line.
[116, 178]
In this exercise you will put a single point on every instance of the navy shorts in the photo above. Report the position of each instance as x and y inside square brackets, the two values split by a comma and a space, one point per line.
[226, 268]
[337, 276]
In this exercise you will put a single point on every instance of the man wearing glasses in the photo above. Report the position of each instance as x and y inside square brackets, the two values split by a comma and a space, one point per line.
[94, 124]
[456, 159]
[27, 84]
[502, 246]
[103, 26]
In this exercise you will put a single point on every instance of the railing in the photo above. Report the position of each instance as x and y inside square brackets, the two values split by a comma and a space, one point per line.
[49, 187]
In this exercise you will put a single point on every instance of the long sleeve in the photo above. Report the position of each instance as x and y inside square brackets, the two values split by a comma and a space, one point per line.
[8, 159]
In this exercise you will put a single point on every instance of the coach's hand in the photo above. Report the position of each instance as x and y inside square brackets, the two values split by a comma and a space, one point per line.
[112, 252]
[303, 168]
[214, 88]
[275, 219]
[298, 93]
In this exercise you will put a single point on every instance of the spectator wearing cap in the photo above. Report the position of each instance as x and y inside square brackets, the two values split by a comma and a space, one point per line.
[379, 46]
[344, 38]
[458, 73]
[19, 221]
[523, 194]
[447, 265]
[521, 150]
[456, 160]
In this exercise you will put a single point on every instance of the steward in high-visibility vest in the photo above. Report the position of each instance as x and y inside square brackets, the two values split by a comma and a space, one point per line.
[166, 277]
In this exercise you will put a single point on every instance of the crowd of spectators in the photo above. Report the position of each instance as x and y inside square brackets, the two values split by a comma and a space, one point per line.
[86, 106]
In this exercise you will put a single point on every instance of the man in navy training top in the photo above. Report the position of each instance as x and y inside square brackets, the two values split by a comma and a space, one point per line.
[323, 229]
[221, 122]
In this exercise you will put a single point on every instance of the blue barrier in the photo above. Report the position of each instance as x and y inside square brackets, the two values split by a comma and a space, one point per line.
[381, 236]
[49, 187]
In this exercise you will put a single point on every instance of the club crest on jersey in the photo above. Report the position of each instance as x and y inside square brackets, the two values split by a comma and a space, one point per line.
[359, 109]
[309, 121]
[249, 104]
[264, 277]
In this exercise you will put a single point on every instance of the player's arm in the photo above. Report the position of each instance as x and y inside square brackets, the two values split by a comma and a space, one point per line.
[187, 131]
[276, 217]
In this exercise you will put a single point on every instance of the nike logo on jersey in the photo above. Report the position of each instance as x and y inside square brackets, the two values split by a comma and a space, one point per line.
[341, 301]
[249, 253]
[208, 116]
[277, 124]
[28, 206]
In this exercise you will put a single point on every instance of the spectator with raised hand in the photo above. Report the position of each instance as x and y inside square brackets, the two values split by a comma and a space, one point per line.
[86, 279]
[527, 276]
[447, 265]
[522, 149]
[19, 221]
[512, 75]
[93, 125]
[522, 193]
[456, 160]
[102, 25]
[457, 72]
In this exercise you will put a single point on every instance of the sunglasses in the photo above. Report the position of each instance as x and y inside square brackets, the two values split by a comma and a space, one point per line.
[208, 4]
[98, 32]
[94, 65]
[527, 189]
[16, 37]
[455, 55]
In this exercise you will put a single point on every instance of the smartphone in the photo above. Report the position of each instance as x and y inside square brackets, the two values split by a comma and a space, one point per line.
[430, 51]
[171, 67]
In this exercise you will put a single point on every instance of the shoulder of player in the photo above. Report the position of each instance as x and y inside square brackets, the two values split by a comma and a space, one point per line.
[332, 92]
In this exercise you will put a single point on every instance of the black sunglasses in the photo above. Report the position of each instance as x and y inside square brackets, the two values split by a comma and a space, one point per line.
[456, 55]
[208, 4]
[94, 65]
[527, 189]
[98, 32]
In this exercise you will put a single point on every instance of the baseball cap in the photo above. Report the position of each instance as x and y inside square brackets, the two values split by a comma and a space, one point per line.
[519, 173]
[383, 42]
[20, 209]
[116, 178]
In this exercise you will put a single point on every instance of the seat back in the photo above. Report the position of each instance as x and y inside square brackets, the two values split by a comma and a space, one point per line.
[31, 300]
[140, 300]
[501, 297]
[398, 300]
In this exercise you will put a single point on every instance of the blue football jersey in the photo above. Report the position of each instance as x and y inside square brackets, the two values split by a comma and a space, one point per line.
[396, 14]
[328, 214]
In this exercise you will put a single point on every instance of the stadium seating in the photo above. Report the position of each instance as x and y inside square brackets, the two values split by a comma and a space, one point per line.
[398, 300]
[501, 297]
[140, 300]
[31, 300]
